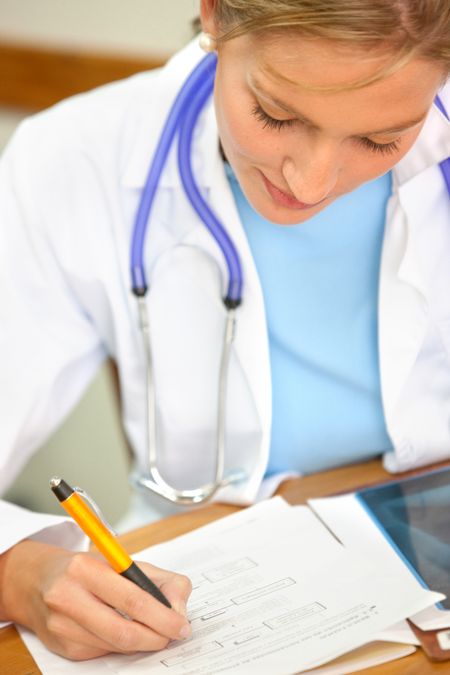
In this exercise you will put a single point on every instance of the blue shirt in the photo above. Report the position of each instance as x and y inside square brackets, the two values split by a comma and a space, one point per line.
[320, 287]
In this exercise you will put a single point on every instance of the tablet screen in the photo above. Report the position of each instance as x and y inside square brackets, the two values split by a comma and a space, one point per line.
[415, 515]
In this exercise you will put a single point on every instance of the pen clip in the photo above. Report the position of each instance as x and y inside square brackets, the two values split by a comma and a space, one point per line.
[96, 508]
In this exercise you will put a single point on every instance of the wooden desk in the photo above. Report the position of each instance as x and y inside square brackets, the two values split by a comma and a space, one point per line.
[16, 660]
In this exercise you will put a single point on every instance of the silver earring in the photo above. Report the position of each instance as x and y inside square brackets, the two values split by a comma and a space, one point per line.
[207, 42]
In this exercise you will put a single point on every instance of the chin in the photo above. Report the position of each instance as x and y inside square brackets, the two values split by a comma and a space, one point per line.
[290, 219]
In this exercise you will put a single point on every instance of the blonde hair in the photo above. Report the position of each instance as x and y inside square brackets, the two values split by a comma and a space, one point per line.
[405, 28]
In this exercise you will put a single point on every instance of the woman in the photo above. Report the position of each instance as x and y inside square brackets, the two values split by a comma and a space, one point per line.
[323, 120]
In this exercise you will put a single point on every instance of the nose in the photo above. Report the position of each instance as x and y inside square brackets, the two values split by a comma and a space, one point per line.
[312, 174]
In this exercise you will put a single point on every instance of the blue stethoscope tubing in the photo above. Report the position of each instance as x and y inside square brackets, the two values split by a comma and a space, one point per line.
[182, 118]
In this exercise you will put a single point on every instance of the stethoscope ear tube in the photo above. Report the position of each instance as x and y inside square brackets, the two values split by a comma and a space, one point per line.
[204, 68]
[218, 232]
[155, 482]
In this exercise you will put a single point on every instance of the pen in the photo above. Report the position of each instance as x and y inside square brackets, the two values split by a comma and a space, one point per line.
[103, 538]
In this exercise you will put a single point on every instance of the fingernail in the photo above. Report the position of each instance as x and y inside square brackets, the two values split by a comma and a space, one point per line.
[181, 608]
[186, 631]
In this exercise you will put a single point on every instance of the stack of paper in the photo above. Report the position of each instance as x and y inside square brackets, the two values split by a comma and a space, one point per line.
[350, 523]
[274, 593]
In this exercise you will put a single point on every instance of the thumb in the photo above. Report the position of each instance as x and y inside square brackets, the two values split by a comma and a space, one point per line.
[177, 590]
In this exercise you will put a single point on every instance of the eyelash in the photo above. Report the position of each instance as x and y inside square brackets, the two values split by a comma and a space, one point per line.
[381, 148]
[269, 122]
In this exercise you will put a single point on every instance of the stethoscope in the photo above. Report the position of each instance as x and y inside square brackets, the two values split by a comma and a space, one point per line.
[181, 120]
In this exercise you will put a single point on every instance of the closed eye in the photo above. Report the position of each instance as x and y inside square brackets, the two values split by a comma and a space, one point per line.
[269, 122]
[382, 148]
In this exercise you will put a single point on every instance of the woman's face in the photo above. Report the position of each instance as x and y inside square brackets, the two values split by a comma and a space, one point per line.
[295, 150]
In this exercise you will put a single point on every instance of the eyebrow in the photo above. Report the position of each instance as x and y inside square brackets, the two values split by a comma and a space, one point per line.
[302, 118]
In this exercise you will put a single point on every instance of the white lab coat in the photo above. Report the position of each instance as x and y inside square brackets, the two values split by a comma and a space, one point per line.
[70, 183]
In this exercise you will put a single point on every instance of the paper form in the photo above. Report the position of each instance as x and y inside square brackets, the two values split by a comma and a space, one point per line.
[357, 530]
[274, 594]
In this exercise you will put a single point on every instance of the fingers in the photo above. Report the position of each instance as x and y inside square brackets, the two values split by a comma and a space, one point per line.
[140, 606]
[99, 591]
[120, 634]
[67, 638]
[74, 601]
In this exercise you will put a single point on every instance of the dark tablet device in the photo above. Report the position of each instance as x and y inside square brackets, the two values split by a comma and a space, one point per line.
[414, 515]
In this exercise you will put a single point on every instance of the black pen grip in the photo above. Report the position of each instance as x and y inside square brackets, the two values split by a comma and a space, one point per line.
[137, 576]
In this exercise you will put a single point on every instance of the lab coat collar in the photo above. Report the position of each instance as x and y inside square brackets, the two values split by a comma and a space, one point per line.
[152, 117]
[431, 147]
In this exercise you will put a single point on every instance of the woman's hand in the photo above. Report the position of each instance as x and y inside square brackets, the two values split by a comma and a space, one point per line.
[70, 600]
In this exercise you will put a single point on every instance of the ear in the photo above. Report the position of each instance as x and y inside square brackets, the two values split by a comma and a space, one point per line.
[208, 17]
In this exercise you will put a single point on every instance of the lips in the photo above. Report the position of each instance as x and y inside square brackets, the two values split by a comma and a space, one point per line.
[282, 198]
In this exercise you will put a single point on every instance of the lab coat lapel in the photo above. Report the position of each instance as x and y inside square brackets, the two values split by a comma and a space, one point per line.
[402, 304]
[410, 250]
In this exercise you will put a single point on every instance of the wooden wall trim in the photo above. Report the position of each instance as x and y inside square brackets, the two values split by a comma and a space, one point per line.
[33, 77]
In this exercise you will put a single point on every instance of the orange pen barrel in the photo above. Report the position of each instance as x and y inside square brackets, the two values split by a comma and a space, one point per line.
[104, 540]
[93, 527]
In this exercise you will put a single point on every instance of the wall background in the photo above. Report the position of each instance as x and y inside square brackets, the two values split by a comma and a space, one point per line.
[89, 449]
[128, 26]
